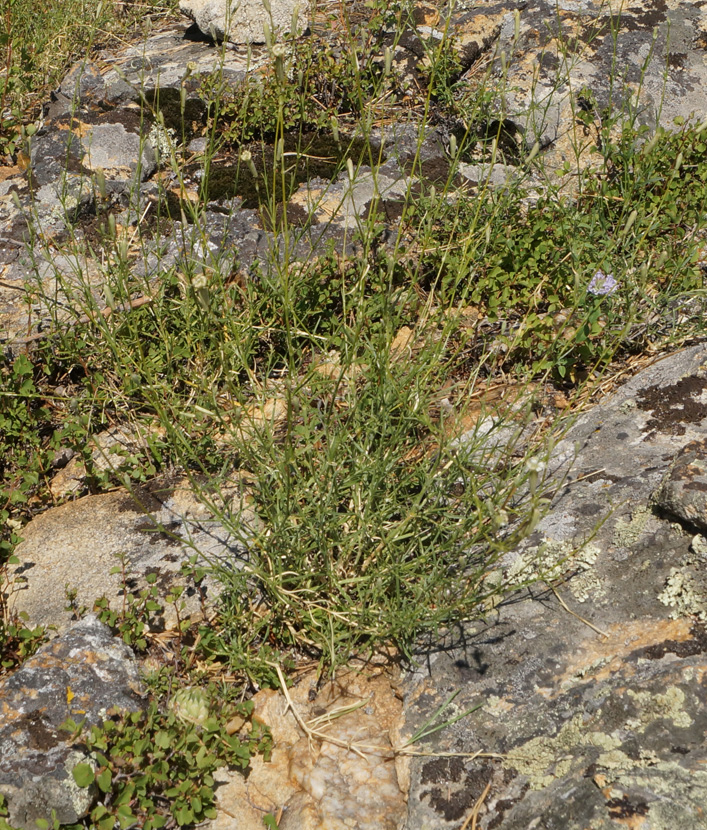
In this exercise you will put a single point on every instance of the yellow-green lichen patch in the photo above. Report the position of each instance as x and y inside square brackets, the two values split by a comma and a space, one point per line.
[699, 546]
[589, 669]
[667, 706]
[545, 759]
[80, 798]
[682, 794]
[628, 532]
[615, 762]
[551, 560]
[497, 706]
[684, 594]
[586, 585]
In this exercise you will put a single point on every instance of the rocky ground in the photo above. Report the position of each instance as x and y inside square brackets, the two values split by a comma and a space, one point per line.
[586, 696]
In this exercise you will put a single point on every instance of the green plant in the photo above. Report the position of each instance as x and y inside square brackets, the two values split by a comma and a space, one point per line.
[365, 516]
[39, 42]
[18, 641]
[139, 611]
[155, 768]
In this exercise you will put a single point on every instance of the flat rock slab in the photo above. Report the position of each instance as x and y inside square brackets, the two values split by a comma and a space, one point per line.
[596, 722]
[244, 21]
[329, 785]
[162, 61]
[75, 546]
[81, 674]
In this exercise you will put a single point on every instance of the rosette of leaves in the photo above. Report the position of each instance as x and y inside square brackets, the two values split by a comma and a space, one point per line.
[154, 769]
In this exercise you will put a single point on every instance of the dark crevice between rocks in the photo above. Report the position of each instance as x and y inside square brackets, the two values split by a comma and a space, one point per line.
[667, 515]
[313, 156]
[186, 123]
[195, 35]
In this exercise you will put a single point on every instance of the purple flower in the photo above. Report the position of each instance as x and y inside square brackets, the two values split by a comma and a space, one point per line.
[602, 284]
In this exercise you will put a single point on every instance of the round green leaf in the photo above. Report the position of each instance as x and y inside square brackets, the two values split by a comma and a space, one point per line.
[83, 775]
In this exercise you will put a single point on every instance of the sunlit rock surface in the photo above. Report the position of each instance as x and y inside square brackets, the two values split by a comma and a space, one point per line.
[591, 697]
[316, 784]
[79, 675]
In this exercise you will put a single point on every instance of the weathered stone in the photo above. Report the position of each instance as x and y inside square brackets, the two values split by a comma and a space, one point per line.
[642, 61]
[168, 60]
[120, 154]
[321, 785]
[597, 721]
[112, 450]
[84, 84]
[343, 202]
[156, 530]
[79, 675]
[244, 21]
[52, 154]
[490, 175]
[684, 491]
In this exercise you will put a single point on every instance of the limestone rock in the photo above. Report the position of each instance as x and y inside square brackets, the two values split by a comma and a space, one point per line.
[244, 21]
[593, 722]
[79, 675]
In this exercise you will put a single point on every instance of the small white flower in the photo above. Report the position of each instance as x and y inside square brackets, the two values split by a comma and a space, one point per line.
[535, 465]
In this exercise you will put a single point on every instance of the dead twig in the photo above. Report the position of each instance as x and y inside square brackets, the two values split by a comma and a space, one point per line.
[581, 619]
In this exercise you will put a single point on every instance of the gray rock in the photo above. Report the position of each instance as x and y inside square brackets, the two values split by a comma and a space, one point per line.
[84, 84]
[244, 21]
[120, 154]
[684, 490]
[491, 175]
[63, 156]
[53, 153]
[157, 529]
[597, 721]
[80, 675]
[644, 63]
[169, 60]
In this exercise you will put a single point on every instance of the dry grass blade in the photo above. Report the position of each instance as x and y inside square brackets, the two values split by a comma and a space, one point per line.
[363, 749]
[581, 619]
[474, 814]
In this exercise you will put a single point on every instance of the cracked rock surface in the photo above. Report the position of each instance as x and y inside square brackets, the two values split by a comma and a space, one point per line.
[591, 717]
